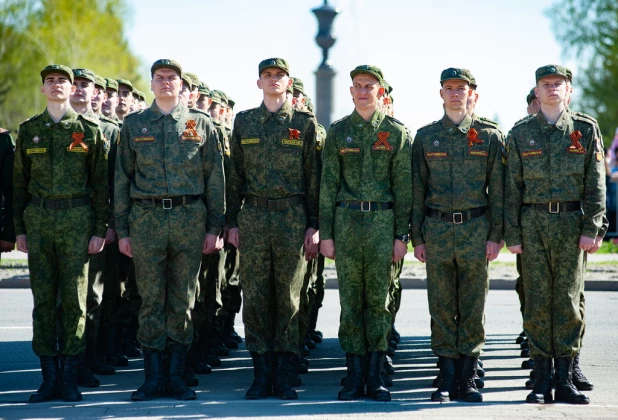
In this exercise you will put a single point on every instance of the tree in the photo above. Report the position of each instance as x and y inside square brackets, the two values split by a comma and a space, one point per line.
[33, 34]
[588, 29]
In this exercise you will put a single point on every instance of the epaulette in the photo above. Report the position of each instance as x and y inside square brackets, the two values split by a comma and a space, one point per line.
[34, 117]
[487, 121]
[4, 131]
[108, 120]
[199, 111]
[580, 116]
[428, 125]
[524, 120]
[306, 111]
[338, 121]
[89, 119]
[245, 111]
[132, 114]
[395, 120]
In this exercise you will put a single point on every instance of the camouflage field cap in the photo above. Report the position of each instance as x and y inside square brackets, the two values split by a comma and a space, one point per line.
[455, 73]
[186, 80]
[223, 97]
[56, 68]
[298, 85]
[165, 63]
[569, 74]
[531, 96]
[290, 89]
[142, 95]
[203, 89]
[215, 97]
[473, 84]
[552, 70]
[100, 82]
[125, 82]
[230, 102]
[309, 104]
[111, 84]
[84, 74]
[370, 70]
[387, 88]
[195, 81]
[279, 63]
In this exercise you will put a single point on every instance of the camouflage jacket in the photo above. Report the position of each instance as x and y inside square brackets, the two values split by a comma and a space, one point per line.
[366, 161]
[163, 156]
[47, 167]
[458, 168]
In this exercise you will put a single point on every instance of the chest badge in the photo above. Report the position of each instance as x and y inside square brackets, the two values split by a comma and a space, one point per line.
[436, 143]
[382, 144]
[36, 139]
[191, 133]
[532, 142]
[473, 138]
[78, 140]
[144, 130]
[294, 134]
[348, 139]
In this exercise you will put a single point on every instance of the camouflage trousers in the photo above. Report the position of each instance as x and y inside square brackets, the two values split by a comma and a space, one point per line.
[208, 303]
[553, 273]
[316, 293]
[364, 254]
[116, 304]
[306, 300]
[394, 289]
[457, 285]
[58, 262]
[272, 266]
[96, 283]
[519, 286]
[231, 297]
[167, 252]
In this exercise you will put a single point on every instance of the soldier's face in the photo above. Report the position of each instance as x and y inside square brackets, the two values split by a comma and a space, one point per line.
[455, 93]
[366, 92]
[274, 81]
[57, 87]
[125, 99]
[569, 93]
[472, 100]
[215, 111]
[193, 98]
[534, 106]
[166, 83]
[110, 104]
[84, 91]
[203, 103]
[299, 101]
[185, 95]
[551, 90]
[98, 99]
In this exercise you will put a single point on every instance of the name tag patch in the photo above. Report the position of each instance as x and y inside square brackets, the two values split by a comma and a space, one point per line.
[433, 155]
[36, 150]
[191, 138]
[349, 150]
[576, 151]
[481, 153]
[143, 139]
[531, 153]
[77, 149]
[292, 142]
[250, 141]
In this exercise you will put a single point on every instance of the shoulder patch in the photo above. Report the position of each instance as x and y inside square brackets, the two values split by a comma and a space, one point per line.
[339, 121]
[524, 120]
[580, 116]
[87, 118]
[427, 125]
[130, 115]
[487, 121]
[34, 117]
[199, 111]
[306, 112]
[395, 120]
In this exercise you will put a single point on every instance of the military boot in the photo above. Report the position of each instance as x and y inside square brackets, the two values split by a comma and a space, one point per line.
[115, 356]
[542, 384]
[527, 364]
[375, 384]
[85, 377]
[388, 366]
[176, 379]
[130, 345]
[98, 363]
[468, 392]
[153, 373]
[521, 338]
[70, 393]
[195, 362]
[354, 387]
[263, 366]
[395, 334]
[49, 389]
[565, 390]
[235, 335]
[447, 388]
[579, 379]
[299, 366]
[226, 332]
[285, 377]
[315, 335]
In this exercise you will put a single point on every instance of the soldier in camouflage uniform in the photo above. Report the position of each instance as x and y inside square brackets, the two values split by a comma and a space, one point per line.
[7, 228]
[554, 206]
[456, 229]
[111, 102]
[125, 98]
[61, 212]
[167, 160]
[364, 214]
[273, 168]
[204, 101]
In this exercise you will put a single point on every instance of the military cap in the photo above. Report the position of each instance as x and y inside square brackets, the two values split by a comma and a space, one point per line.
[56, 68]
[454, 73]
[473, 84]
[290, 88]
[368, 69]
[230, 102]
[215, 97]
[187, 80]
[569, 74]
[309, 104]
[84, 74]
[100, 82]
[530, 96]
[195, 81]
[387, 88]
[279, 63]
[142, 95]
[223, 97]
[111, 84]
[202, 89]
[126, 83]
[552, 70]
[298, 85]
[165, 63]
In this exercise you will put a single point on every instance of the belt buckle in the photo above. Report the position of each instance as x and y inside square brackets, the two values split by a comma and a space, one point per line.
[363, 206]
[460, 218]
[167, 206]
[557, 207]
[57, 204]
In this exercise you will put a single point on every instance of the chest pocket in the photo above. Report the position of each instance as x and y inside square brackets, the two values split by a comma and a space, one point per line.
[574, 162]
[475, 161]
[438, 160]
[145, 148]
[534, 162]
[253, 151]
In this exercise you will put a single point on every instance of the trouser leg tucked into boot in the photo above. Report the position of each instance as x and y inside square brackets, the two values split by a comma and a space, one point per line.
[542, 385]
[579, 379]
[153, 373]
[447, 387]
[49, 388]
[263, 368]
[70, 393]
[375, 385]
[565, 390]
[468, 391]
[354, 386]
[177, 386]
[285, 377]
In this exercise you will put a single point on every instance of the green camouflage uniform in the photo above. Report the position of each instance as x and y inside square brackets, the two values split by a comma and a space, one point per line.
[452, 176]
[545, 165]
[160, 158]
[6, 186]
[273, 158]
[57, 240]
[357, 167]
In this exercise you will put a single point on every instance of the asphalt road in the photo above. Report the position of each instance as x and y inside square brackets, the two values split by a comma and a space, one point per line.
[221, 394]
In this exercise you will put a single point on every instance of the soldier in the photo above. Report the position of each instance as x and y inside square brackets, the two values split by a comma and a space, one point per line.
[7, 228]
[111, 103]
[125, 98]
[167, 159]
[456, 229]
[186, 93]
[364, 214]
[554, 205]
[195, 85]
[273, 168]
[204, 101]
[61, 212]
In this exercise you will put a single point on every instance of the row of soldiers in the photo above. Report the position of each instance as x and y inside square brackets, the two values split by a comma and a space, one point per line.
[274, 176]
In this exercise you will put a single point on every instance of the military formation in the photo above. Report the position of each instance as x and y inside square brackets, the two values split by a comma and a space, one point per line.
[149, 227]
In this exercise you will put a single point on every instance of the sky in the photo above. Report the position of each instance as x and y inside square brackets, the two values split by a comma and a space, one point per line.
[501, 42]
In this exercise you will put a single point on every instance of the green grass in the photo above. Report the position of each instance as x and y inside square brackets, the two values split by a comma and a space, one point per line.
[608, 247]
[8, 264]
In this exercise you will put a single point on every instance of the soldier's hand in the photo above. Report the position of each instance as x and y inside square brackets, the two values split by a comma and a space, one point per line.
[6, 246]
[419, 253]
[400, 249]
[22, 244]
[233, 237]
[492, 250]
[96, 245]
[312, 240]
[110, 236]
[124, 246]
[586, 243]
[597, 244]
[212, 244]
[327, 248]
[515, 249]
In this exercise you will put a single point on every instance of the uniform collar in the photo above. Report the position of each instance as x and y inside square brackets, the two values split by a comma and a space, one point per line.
[464, 126]
[155, 112]
[375, 120]
[284, 114]
[562, 124]
[65, 122]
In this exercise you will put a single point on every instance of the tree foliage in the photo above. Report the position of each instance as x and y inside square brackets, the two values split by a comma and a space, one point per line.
[588, 30]
[77, 33]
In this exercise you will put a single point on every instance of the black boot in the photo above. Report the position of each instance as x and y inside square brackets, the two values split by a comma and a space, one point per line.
[447, 388]
[388, 366]
[263, 367]
[315, 335]
[565, 390]
[285, 377]
[354, 387]
[153, 373]
[579, 379]
[85, 377]
[480, 384]
[115, 356]
[468, 391]
[99, 366]
[542, 384]
[235, 335]
[309, 342]
[521, 338]
[70, 393]
[527, 364]
[130, 346]
[375, 384]
[395, 334]
[480, 371]
[194, 362]
[188, 376]
[49, 388]
[226, 332]
[299, 366]
[176, 381]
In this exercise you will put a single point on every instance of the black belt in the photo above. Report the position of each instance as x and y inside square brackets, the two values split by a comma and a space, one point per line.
[457, 217]
[365, 206]
[555, 207]
[277, 205]
[60, 204]
[169, 203]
